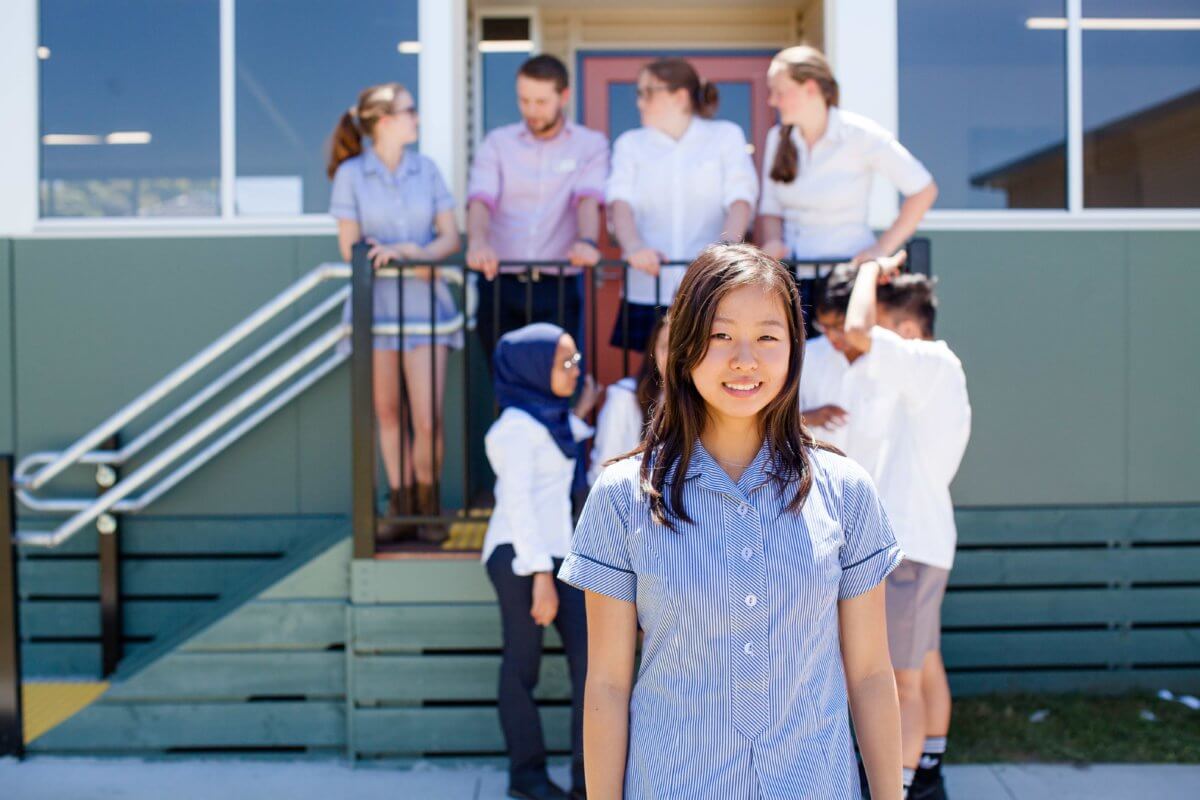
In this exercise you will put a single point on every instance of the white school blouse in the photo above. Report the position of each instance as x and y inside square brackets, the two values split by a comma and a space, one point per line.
[825, 208]
[533, 491]
[680, 192]
[618, 426]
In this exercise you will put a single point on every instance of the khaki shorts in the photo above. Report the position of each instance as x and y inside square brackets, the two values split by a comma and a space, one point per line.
[914, 612]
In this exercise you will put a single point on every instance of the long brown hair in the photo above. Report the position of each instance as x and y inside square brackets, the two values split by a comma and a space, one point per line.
[803, 63]
[650, 375]
[359, 121]
[678, 73]
[679, 419]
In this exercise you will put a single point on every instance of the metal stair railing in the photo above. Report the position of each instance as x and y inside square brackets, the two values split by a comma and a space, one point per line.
[258, 402]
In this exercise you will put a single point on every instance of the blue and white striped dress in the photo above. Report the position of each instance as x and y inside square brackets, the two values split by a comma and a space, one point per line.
[741, 692]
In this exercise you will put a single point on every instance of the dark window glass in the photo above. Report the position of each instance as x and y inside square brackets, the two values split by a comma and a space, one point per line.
[983, 100]
[130, 109]
[504, 46]
[299, 65]
[1141, 104]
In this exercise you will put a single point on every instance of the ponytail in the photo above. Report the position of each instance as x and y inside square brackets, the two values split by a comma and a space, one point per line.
[803, 63]
[359, 121]
[787, 159]
[346, 142]
[705, 99]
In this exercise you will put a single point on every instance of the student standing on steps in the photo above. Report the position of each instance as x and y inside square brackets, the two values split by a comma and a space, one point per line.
[753, 559]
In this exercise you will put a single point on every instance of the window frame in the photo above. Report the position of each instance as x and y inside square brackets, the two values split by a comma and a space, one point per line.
[1076, 215]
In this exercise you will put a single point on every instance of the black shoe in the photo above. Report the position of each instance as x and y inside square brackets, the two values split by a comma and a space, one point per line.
[538, 791]
[931, 790]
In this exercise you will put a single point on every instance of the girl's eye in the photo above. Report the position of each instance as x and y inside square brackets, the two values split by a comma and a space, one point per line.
[768, 338]
[719, 336]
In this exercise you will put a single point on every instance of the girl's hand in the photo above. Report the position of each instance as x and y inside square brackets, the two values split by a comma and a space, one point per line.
[646, 259]
[776, 249]
[873, 253]
[587, 397]
[828, 416]
[381, 254]
[889, 266]
[545, 599]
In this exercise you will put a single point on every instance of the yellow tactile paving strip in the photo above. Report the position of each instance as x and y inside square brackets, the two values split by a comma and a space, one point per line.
[46, 704]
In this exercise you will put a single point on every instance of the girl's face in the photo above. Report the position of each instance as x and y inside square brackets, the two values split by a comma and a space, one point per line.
[747, 360]
[564, 370]
[660, 347]
[790, 98]
[657, 103]
[400, 126]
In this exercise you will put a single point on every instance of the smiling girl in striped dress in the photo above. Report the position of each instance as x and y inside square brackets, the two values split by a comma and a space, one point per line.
[752, 558]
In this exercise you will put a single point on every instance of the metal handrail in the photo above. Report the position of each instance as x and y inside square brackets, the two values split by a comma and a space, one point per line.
[117, 497]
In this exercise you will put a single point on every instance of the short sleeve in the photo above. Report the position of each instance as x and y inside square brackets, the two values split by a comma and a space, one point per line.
[443, 200]
[892, 160]
[622, 181]
[485, 183]
[737, 169]
[599, 560]
[592, 173]
[768, 203]
[870, 551]
[343, 203]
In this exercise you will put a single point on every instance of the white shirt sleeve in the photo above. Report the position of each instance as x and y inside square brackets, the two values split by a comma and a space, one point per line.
[622, 179]
[892, 160]
[514, 462]
[769, 203]
[737, 169]
[618, 429]
[580, 429]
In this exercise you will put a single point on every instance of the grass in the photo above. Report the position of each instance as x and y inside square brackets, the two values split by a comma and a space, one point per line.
[1078, 728]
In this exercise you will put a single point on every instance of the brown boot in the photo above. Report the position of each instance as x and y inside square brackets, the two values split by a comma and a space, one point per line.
[427, 506]
[390, 531]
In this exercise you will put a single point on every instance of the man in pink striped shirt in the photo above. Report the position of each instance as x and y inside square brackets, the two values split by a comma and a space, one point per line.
[534, 195]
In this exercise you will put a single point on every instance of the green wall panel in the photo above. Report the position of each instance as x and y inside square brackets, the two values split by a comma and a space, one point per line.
[1038, 321]
[1163, 429]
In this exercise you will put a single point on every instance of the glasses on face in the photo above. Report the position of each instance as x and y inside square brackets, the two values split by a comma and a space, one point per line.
[410, 111]
[646, 92]
[573, 362]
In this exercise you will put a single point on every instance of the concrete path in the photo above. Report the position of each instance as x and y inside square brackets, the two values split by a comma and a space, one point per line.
[44, 778]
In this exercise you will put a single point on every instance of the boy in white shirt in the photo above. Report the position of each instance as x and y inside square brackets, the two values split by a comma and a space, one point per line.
[922, 398]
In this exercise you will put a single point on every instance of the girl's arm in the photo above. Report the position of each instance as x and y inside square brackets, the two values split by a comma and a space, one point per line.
[871, 686]
[447, 242]
[737, 221]
[348, 235]
[912, 211]
[772, 236]
[625, 229]
[612, 638]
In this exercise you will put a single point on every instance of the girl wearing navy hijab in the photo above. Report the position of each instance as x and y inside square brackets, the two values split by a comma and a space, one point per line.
[531, 447]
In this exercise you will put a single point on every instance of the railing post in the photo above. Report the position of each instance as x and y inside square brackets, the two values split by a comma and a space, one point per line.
[362, 410]
[12, 734]
[108, 547]
[920, 257]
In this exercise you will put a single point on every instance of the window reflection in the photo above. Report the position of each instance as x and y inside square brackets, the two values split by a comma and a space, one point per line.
[981, 94]
[1141, 104]
[299, 65]
[130, 120]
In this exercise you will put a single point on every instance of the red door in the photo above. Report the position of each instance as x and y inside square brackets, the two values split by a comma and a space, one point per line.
[607, 103]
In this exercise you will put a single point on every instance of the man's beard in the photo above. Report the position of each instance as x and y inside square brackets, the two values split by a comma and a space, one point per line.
[547, 127]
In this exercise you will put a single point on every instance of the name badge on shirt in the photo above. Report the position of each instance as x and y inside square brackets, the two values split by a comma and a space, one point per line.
[566, 165]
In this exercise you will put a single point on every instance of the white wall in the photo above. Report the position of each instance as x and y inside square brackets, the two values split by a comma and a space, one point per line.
[18, 116]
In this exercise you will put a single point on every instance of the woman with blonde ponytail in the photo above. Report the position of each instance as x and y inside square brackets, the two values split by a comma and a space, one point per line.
[818, 168]
[395, 199]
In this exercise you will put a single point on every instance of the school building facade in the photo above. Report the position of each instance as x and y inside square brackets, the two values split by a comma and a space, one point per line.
[161, 178]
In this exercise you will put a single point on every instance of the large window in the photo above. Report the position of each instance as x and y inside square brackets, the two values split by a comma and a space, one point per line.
[299, 65]
[980, 95]
[130, 122]
[986, 102]
[132, 91]
[1141, 103]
